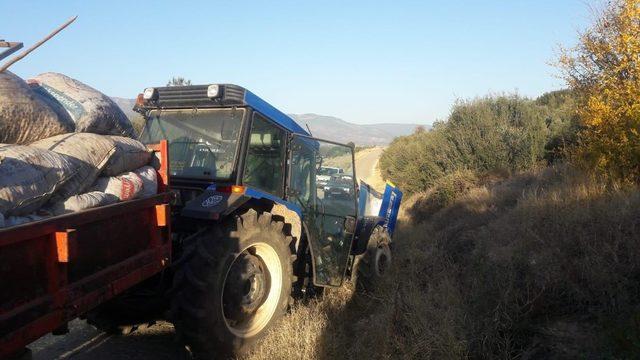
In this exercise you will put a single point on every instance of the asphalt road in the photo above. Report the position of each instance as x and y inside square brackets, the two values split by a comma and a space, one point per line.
[84, 342]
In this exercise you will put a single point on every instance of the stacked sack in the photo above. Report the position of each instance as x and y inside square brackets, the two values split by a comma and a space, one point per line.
[65, 147]
[25, 116]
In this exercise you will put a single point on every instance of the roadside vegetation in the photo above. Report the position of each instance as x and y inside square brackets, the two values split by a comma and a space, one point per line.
[520, 235]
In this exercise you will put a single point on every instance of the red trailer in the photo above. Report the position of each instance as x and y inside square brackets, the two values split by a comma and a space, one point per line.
[54, 270]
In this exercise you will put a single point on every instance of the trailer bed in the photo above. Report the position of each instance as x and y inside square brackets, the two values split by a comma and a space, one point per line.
[53, 270]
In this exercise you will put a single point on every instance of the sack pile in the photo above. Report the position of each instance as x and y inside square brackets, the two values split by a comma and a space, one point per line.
[90, 110]
[65, 147]
[25, 116]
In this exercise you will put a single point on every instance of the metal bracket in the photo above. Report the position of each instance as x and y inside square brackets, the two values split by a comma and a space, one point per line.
[11, 48]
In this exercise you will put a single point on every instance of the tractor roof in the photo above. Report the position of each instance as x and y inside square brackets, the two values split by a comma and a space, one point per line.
[216, 95]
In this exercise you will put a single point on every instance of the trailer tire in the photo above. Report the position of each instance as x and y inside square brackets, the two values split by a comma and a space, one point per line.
[234, 286]
[373, 265]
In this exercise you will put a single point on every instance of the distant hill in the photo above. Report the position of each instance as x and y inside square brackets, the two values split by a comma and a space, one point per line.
[126, 105]
[332, 128]
[324, 127]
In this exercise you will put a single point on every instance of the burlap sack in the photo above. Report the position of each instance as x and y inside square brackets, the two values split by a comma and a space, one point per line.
[91, 110]
[89, 154]
[29, 176]
[24, 116]
[125, 187]
[19, 220]
[130, 154]
[149, 178]
[81, 202]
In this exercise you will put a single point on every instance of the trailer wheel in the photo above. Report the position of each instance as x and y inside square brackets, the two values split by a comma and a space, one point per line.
[234, 286]
[373, 265]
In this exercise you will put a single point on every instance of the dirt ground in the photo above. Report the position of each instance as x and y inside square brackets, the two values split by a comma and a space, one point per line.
[367, 167]
[84, 342]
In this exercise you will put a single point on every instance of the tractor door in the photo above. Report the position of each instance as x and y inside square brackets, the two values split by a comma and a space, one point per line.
[329, 210]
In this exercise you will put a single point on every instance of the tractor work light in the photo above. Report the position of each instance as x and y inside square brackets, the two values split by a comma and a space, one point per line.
[213, 91]
[149, 94]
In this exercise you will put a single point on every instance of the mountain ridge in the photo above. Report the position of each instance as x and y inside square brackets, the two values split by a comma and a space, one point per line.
[323, 126]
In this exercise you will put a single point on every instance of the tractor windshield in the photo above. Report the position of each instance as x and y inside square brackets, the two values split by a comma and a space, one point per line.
[202, 143]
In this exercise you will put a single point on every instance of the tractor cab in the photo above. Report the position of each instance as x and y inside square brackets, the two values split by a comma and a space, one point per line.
[229, 150]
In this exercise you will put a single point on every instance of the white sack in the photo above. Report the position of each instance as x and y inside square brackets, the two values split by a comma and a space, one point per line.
[25, 116]
[89, 154]
[29, 176]
[130, 154]
[149, 178]
[81, 202]
[125, 187]
[91, 110]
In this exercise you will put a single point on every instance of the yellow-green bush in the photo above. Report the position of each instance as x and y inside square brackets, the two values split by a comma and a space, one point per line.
[604, 71]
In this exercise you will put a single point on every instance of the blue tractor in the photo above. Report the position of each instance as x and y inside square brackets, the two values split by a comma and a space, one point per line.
[252, 231]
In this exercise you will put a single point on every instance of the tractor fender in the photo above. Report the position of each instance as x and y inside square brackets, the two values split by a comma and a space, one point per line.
[216, 205]
[212, 204]
[364, 229]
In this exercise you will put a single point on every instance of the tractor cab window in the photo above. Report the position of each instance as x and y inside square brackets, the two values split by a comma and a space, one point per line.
[264, 164]
[334, 179]
[202, 142]
[302, 181]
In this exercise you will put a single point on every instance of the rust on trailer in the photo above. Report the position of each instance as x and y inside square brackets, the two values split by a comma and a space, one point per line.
[59, 268]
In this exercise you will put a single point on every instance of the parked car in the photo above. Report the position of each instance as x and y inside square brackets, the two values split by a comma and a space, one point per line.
[325, 173]
[339, 187]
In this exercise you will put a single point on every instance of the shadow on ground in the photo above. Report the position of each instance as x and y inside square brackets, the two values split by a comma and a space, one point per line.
[84, 342]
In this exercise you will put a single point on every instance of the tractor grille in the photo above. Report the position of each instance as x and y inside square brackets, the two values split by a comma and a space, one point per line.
[182, 93]
[196, 96]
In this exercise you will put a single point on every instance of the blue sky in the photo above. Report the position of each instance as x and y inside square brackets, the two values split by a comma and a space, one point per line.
[363, 61]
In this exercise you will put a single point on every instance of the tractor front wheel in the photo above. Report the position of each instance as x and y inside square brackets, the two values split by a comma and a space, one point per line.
[234, 285]
[373, 265]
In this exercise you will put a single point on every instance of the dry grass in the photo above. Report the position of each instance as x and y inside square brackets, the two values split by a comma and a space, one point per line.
[541, 265]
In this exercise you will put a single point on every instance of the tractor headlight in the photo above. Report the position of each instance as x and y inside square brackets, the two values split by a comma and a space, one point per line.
[149, 93]
[213, 91]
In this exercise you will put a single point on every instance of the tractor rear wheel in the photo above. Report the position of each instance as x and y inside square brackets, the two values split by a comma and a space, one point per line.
[233, 285]
[373, 265]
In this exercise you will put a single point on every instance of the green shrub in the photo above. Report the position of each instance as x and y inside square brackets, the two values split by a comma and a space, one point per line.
[500, 133]
[444, 191]
[561, 118]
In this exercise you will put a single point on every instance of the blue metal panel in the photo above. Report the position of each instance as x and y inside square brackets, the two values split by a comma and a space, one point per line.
[390, 206]
[272, 113]
[257, 194]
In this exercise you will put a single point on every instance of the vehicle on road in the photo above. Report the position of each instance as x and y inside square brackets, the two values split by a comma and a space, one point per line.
[339, 187]
[250, 228]
[325, 173]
